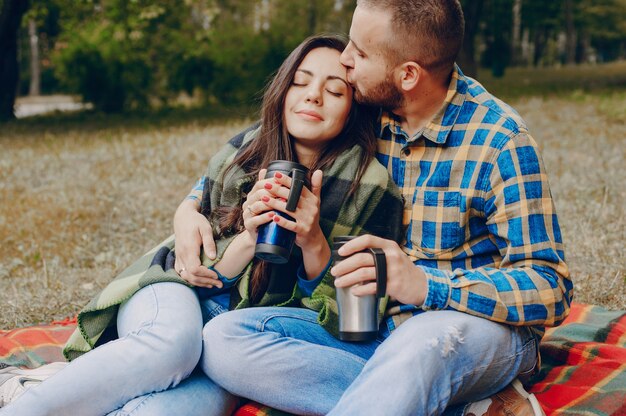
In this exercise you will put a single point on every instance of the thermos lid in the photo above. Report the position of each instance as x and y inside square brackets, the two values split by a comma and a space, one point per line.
[285, 166]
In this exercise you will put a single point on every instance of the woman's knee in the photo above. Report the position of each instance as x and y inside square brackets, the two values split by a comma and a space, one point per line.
[172, 336]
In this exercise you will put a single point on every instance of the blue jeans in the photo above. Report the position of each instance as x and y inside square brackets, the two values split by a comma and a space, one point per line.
[434, 361]
[148, 370]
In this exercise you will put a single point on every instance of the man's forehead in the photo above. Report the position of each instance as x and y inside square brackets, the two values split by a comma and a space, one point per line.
[370, 28]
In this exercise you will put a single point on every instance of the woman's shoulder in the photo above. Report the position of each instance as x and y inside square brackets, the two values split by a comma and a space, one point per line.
[244, 137]
[222, 159]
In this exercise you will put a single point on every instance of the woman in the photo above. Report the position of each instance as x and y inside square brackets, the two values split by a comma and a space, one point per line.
[307, 116]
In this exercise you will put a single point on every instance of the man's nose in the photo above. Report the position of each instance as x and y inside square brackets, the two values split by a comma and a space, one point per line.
[346, 57]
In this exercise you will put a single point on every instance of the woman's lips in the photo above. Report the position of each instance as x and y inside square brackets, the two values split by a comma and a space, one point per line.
[310, 114]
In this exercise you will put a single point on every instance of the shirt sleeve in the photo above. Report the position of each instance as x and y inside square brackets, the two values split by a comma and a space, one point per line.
[531, 285]
[196, 192]
[308, 286]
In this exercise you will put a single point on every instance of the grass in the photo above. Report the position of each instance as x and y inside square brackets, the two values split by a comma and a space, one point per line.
[82, 196]
[564, 81]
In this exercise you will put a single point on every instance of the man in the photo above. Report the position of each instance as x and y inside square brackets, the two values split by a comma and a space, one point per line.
[482, 271]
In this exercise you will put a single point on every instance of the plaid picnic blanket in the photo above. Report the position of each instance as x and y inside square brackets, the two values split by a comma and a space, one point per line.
[583, 371]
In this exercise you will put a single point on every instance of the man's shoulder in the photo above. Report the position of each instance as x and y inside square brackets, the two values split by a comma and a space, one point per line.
[482, 107]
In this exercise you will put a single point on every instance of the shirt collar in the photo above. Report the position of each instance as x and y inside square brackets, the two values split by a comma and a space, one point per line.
[438, 129]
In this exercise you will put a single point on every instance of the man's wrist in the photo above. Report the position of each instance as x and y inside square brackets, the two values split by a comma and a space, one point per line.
[420, 288]
[438, 289]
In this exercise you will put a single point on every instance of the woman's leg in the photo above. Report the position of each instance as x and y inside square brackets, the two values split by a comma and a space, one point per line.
[283, 358]
[197, 395]
[160, 343]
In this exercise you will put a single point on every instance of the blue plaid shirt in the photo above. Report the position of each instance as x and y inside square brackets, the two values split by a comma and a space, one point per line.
[481, 222]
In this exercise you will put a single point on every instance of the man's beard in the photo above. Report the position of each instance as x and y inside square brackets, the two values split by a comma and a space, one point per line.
[385, 95]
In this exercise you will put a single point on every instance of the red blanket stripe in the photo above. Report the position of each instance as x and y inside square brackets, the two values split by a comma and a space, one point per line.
[583, 371]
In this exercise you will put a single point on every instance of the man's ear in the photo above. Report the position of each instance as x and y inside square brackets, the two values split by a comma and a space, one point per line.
[410, 74]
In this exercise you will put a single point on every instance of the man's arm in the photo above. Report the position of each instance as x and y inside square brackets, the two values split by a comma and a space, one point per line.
[192, 231]
[531, 284]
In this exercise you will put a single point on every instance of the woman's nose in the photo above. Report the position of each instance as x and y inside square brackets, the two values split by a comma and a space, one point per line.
[313, 95]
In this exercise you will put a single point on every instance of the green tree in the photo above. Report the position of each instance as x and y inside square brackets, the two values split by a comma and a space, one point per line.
[472, 10]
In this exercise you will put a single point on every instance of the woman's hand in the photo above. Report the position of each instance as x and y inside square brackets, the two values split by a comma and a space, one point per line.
[255, 211]
[306, 223]
[306, 217]
[193, 231]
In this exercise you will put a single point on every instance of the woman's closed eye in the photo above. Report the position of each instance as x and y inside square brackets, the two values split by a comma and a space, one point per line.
[336, 87]
[335, 93]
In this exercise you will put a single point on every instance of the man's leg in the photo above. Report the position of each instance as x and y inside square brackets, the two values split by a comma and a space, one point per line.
[438, 359]
[283, 358]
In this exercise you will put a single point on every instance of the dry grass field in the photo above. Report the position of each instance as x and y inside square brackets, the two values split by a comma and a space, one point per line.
[80, 200]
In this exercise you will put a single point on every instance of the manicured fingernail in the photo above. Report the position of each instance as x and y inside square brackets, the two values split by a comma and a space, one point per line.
[276, 218]
[265, 199]
[271, 214]
[268, 186]
[278, 175]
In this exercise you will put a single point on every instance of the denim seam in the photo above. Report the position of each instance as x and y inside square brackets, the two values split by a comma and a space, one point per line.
[261, 328]
[138, 406]
[146, 325]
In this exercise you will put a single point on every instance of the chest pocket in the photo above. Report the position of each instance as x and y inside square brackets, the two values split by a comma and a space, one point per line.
[436, 221]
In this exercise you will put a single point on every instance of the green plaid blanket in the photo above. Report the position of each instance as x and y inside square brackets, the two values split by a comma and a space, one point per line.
[376, 208]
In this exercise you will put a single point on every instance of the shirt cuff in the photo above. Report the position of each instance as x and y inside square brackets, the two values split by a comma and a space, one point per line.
[228, 282]
[196, 191]
[308, 286]
[439, 289]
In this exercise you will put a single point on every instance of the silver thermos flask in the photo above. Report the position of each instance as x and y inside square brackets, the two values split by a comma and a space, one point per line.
[358, 315]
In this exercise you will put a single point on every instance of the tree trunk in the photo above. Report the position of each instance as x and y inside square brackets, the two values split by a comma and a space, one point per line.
[312, 17]
[10, 19]
[467, 58]
[540, 43]
[35, 63]
[516, 33]
[570, 33]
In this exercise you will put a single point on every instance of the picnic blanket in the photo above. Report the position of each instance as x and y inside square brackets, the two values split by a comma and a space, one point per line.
[583, 370]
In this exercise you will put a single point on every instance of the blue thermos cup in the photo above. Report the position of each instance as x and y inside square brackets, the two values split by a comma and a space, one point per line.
[274, 243]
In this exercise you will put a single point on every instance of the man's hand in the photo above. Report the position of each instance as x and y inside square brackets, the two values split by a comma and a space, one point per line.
[193, 231]
[406, 282]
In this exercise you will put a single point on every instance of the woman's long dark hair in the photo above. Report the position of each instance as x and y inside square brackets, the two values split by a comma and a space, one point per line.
[274, 142]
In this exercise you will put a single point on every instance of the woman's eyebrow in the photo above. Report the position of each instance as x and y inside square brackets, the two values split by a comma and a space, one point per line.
[330, 77]
[333, 77]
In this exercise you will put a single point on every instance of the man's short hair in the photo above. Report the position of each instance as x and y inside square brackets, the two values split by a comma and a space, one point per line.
[429, 32]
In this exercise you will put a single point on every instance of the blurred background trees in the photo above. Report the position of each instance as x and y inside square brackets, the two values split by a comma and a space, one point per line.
[123, 55]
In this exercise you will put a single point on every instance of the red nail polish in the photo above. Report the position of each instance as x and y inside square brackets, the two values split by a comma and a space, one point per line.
[276, 218]
[265, 199]
[268, 186]
[278, 175]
